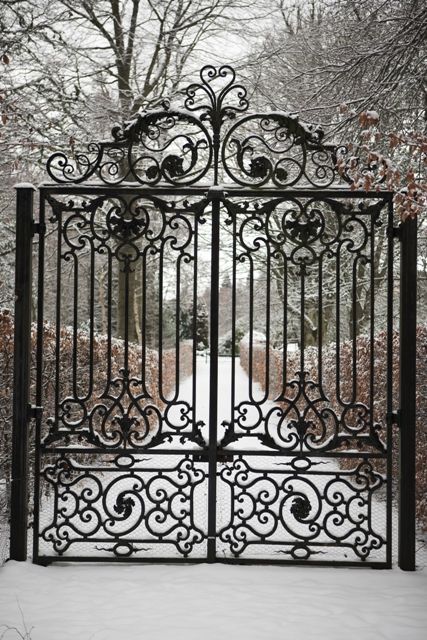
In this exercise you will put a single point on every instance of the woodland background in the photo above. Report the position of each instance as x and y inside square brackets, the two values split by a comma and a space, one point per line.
[71, 69]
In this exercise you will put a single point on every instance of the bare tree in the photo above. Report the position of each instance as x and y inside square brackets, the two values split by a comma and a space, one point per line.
[367, 54]
[358, 69]
[73, 68]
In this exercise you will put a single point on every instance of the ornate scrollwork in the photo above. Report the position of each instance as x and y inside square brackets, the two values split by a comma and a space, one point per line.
[209, 137]
[157, 146]
[302, 512]
[354, 169]
[303, 231]
[303, 420]
[277, 148]
[299, 236]
[104, 503]
[309, 484]
[215, 109]
[123, 413]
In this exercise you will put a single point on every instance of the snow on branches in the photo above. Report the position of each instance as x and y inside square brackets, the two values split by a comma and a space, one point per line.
[388, 159]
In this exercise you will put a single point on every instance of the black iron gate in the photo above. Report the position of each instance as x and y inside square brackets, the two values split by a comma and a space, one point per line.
[214, 361]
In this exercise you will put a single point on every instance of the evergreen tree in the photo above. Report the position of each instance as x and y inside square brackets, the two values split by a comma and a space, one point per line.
[201, 329]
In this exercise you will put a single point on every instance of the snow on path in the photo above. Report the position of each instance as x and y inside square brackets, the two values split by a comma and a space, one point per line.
[224, 394]
[378, 519]
[208, 602]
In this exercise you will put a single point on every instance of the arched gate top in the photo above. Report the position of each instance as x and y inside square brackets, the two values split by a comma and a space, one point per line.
[211, 138]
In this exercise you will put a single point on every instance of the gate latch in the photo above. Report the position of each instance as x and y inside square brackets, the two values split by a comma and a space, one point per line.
[393, 417]
[221, 456]
[39, 228]
[395, 232]
[34, 411]
[216, 192]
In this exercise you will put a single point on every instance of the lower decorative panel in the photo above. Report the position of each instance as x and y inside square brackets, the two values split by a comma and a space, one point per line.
[319, 509]
[124, 506]
[268, 508]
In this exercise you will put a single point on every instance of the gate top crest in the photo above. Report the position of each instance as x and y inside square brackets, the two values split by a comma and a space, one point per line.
[212, 138]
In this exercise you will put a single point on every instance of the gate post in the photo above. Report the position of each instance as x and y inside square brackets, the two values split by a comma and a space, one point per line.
[21, 371]
[407, 419]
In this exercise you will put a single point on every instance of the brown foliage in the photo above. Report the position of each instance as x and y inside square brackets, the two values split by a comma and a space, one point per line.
[85, 376]
[400, 169]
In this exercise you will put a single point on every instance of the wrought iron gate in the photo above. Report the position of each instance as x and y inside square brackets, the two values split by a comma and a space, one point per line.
[157, 444]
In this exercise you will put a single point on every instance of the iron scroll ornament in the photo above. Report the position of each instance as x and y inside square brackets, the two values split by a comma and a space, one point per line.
[124, 413]
[209, 138]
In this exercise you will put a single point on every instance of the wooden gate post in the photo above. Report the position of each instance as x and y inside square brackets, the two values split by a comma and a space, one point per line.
[407, 418]
[21, 371]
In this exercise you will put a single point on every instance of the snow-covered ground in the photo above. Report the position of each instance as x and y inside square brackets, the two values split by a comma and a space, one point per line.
[150, 602]
[209, 602]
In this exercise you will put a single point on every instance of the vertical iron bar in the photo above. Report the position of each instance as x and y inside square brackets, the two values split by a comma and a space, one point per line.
[126, 268]
[251, 329]
[39, 374]
[372, 386]
[160, 323]
[338, 328]
[59, 257]
[320, 325]
[109, 318]
[144, 280]
[75, 323]
[213, 386]
[390, 377]
[233, 214]
[177, 325]
[194, 326]
[91, 317]
[285, 323]
[267, 326]
[302, 312]
[407, 422]
[21, 372]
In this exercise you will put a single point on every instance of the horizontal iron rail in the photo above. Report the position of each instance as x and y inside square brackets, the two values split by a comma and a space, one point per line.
[46, 560]
[203, 189]
[221, 452]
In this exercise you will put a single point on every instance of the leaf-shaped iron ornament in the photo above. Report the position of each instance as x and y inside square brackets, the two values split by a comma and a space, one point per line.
[209, 137]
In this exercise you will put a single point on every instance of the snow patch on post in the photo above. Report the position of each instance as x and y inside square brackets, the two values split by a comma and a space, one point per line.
[24, 185]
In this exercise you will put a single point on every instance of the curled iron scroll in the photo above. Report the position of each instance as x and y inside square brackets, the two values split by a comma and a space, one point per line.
[213, 135]
[277, 148]
[168, 146]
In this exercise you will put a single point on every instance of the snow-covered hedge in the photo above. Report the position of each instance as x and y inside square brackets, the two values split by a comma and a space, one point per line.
[343, 373]
[84, 377]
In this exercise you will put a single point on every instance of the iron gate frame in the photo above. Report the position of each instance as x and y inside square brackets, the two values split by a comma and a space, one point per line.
[23, 411]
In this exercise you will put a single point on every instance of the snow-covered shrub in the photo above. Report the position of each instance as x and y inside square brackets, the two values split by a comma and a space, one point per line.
[97, 362]
[90, 359]
[6, 379]
[225, 343]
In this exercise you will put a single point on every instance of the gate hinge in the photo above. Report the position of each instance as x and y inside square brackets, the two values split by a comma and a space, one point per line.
[395, 232]
[39, 228]
[393, 418]
[34, 412]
